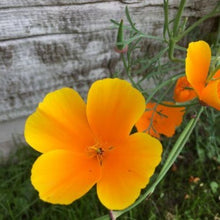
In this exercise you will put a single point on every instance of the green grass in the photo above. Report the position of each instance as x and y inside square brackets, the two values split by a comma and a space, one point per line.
[19, 200]
[174, 198]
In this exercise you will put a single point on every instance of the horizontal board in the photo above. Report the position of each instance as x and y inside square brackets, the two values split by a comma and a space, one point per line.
[31, 3]
[45, 48]
[31, 68]
[23, 22]
[49, 44]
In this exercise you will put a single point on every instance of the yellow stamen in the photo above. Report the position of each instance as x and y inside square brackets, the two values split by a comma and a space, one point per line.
[96, 151]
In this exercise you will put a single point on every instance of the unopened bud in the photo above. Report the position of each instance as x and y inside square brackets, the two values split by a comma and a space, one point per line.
[120, 46]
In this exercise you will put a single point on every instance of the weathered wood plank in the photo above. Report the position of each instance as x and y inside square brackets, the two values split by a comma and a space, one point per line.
[44, 48]
[30, 3]
[48, 44]
[51, 62]
[25, 22]
[195, 4]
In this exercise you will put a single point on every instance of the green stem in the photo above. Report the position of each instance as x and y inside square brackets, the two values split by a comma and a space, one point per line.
[218, 33]
[154, 109]
[154, 59]
[166, 20]
[173, 40]
[141, 34]
[177, 37]
[178, 17]
[172, 79]
[172, 45]
[205, 17]
[178, 105]
[128, 72]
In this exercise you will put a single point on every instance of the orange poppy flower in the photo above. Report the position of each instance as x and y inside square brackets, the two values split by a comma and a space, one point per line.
[83, 145]
[197, 68]
[159, 119]
[183, 91]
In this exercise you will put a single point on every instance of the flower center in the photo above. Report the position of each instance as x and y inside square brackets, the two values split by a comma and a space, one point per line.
[98, 151]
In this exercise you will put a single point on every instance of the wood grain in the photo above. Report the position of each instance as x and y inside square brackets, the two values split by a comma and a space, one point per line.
[48, 44]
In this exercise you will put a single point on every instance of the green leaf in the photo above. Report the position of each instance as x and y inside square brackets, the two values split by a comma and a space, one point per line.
[214, 187]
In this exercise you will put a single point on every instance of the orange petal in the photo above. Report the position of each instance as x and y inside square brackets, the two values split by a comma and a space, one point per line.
[59, 123]
[113, 108]
[197, 64]
[183, 91]
[127, 169]
[62, 176]
[160, 119]
[217, 74]
[211, 94]
[146, 121]
[168, 119]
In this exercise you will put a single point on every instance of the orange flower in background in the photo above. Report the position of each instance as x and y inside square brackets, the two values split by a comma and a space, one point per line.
[87, 144]
[197, 68]
[183, 91]
[159, 119]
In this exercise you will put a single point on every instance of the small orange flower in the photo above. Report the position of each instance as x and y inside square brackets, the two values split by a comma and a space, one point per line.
[197, 68]
[83, 145]
[159, 119]
[183, 91]
[193, 179]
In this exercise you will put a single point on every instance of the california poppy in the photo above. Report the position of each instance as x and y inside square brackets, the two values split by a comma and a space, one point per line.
[183, 91]
[197, 73]
[160, 119]
[87, 144]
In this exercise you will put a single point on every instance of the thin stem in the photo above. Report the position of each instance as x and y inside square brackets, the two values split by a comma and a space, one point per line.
[218, 33]
[205, 17]
[172, 45]
[177, 37]
[127, 69]
[111, 215]
[186, 104]
[154, 59]
[129, 19]
[172, 79]
[155, 110]
[172, 40]
[166, 20]
[178, 17]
